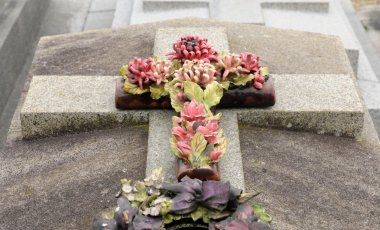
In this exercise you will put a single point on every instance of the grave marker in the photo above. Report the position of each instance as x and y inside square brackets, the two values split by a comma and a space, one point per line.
[317, 103]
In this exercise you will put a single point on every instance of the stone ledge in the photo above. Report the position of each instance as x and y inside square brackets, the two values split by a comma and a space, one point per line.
[317, 103]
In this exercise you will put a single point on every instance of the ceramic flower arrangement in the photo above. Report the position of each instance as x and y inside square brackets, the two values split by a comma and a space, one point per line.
[154, 204]
[195, 80]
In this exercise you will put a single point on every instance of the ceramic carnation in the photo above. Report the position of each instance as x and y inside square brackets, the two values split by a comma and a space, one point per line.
[146, 72]
[197, 71]
[231, 64]
[193, 47]
[250, 62]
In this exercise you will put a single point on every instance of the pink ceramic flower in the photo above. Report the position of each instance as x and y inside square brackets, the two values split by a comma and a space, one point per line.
[148, 71]
[193, 47]
[231, 63]
[196, 71]
[258, 81]
[210, 131]
[193, 111]
[215, 154]
[250, 62]
[184, 149]
[179, 133]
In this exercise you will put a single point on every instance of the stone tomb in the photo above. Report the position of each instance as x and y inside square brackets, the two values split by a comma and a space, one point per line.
[40, 173]
[322, 103]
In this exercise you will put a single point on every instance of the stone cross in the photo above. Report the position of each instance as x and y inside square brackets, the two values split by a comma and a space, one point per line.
[321, 103]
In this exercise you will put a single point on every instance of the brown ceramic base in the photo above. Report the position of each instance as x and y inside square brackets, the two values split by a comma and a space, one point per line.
[245, 96]
[248, 96]
[184, 169]
[144, 101]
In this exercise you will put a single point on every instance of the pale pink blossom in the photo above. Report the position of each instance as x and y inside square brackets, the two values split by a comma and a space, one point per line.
[193, 111]
[196, 71]
[184, 149]
[231, 63]
[215, 154]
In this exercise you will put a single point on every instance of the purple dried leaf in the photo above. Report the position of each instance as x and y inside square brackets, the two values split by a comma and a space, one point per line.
[183, 203]
[144, 223]
[215, 194]
[187, 185]
[124, 213]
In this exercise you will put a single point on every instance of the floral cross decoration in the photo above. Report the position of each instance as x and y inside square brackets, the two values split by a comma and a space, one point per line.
[195, 78]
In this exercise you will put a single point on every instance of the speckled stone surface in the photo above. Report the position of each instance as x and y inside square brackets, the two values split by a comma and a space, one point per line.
[231, 166]
[165, 37]
[313, 181]
[64, 182]
[61, 104]
[159, 153]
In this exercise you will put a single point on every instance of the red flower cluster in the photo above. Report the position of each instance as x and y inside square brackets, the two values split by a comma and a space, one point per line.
[193, 47]
[148, 71]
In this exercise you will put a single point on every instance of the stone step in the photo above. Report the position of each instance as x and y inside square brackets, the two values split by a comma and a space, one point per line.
[142, 11]
[325, 22]
[155, 12]
[322, 103]
[308, 5]
[244, 11]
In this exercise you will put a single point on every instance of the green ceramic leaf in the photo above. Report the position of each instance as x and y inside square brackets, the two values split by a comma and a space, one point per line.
[168, 218]
[133, 88]
[222, 146]
[156, 57]
[261, 213]
[193, 91]
[216, 215]
[176, 65]
[140, 191]
[123, 70]
[212, 94]
[244, 197]
[242, 79]
[173, 146]
[225, 84]
[166, 207]
[199, 213]
[158, 91]
[265, 217]
[198, 144]
[264, 71]
[108, 215]
[176, 104]
[206, 219]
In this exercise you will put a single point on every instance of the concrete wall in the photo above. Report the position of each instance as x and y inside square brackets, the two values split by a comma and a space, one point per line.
[20, 22]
